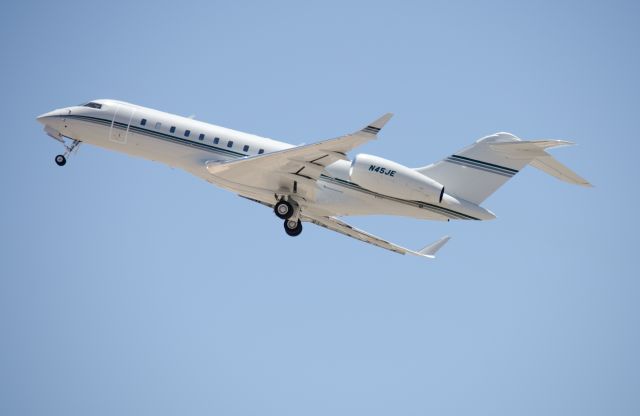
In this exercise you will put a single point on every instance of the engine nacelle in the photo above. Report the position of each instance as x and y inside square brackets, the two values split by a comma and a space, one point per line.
[393, 179]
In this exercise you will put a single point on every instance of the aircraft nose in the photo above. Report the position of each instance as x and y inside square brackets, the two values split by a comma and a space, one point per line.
[52, 115]
[42, 118]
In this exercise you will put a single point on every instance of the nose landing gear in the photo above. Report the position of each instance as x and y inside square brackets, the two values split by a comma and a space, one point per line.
[61, 160]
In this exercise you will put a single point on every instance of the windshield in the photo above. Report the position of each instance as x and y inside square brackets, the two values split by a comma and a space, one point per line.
[93, 105]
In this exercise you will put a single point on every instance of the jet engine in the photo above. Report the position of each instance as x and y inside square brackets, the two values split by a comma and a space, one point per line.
[390, 178]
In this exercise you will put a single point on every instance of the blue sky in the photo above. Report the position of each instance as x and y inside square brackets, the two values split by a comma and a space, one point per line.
[127, 287]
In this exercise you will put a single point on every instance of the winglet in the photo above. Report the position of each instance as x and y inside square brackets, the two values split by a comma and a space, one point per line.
[430, 250]
[376, 126]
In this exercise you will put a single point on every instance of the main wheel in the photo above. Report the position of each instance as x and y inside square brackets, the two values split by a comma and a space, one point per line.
[283, 210]
[61, 160]
[293, 228]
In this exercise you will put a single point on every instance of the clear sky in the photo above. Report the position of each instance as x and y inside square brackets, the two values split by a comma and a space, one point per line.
[129, 288]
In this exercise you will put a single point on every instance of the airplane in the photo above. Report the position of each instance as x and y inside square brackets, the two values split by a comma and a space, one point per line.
[316, 182]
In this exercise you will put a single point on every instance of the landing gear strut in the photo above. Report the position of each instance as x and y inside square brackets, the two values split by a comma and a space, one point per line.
[61, 160]
[293, 228]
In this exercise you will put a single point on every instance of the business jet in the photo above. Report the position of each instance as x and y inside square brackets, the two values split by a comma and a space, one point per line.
[316, 182]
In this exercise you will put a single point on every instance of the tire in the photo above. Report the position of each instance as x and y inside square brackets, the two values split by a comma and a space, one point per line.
[295, 231]
[61, 160]
[283, 210]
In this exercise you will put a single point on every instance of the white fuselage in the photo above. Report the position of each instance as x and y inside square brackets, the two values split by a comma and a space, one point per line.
[189, 144]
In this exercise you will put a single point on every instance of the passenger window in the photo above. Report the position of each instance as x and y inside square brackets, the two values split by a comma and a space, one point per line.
[143, 121]
[172, 129]
[216, 140]
[261, 151]
[158, 125]
[201, 136]
[230, 143]
[187, 133]
[245, 148]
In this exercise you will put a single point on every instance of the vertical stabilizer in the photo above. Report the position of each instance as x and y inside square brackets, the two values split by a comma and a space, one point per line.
[477, 171]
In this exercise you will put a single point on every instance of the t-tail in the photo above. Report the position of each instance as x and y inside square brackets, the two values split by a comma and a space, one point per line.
[477, 171]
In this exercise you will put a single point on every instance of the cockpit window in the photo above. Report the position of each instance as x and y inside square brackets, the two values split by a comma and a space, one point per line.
[93, 105]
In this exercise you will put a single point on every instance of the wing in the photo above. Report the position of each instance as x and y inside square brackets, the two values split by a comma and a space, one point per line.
[341, 227]
[297, 169]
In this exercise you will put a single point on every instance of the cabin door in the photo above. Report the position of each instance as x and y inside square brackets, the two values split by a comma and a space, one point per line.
[120, 125]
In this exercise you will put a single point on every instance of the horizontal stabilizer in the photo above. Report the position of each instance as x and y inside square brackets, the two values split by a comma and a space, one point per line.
[534, 151]
[527, 149]
[550, 165]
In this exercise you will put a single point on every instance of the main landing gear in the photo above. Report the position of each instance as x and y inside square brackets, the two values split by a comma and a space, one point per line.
[61, 160]
[283, 209]
[289, 211]
[293, 228]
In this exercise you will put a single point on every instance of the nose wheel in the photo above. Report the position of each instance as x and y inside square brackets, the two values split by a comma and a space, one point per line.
[293, 228]
[61, 160]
